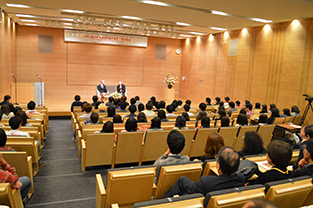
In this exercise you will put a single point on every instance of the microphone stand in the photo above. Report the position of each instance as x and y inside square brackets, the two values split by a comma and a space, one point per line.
[40, 90]
[15, 89]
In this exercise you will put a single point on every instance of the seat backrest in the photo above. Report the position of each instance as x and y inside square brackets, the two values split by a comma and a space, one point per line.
[154, 144]
[209, 167]
[228, 134]
[279, 120]
[26, 144]
[297, 120]
[128, 186]
[234, 197]
[99, 149]
[197, 147]
[234, 115]
[266, 131]
[10, 197]
[289, 192]
[188, 134]
[169, 174]
[185, 201]
[239, 142]
[128, 147]
[289, 119]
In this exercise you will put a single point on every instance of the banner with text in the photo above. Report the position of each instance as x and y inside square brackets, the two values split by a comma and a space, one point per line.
[105, 38]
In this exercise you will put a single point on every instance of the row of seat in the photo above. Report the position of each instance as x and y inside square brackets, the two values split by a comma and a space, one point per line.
[137, 147]
[118, 179]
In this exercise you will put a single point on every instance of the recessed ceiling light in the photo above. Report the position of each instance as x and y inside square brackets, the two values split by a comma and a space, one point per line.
[196, 33]
[25, 15]
[158, 3]
[261, 20]
[70, 24]
[27, 20]
[219, 13]
[72, 11]
[67, 19]
[31, 24]
[131, 17]
[218, 28]
[182, 24]
[17, 5]
[68, 27]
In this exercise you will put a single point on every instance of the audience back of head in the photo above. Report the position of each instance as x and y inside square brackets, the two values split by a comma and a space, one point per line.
[175, 142]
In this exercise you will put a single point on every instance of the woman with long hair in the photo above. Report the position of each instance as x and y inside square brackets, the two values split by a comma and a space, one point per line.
[213, 145]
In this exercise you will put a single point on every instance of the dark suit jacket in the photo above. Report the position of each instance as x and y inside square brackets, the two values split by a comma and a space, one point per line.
[123, 89]
[305, 171]
[102, 89]
[272, 175]
[76, 103]
[205, 184]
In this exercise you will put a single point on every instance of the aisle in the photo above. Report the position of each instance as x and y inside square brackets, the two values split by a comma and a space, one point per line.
[61, 183]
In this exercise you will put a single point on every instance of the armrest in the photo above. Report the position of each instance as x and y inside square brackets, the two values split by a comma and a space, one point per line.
[83, 144]
[100, 192]
[114, 206]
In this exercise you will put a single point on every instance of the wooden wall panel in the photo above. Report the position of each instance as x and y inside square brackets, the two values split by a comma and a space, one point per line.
[77, 68]
[273, 65]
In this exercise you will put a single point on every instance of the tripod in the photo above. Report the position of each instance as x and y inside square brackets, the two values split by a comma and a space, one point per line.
[307, 108]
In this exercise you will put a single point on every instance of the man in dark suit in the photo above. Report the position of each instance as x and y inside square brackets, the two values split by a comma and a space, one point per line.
[121, 88]
[102, 90]
[6, 100]
[305, 165]
[227, 164]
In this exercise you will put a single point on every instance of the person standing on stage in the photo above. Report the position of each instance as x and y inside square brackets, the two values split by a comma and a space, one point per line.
[102, 90]
[121, 88]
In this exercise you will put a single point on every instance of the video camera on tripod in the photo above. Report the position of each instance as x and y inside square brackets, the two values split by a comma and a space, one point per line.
[308, 97]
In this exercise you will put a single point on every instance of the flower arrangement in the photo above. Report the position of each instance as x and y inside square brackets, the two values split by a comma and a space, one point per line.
[115, 94]
[170, 80]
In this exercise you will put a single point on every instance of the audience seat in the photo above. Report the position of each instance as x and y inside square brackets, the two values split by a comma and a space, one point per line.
[289, 119]
[290, 192]
[234, 197]
[186, 201]
[239, 142]
[266, 133]
[279, 120]
[10, 197]
[97, 149]
[169, 174]
[228, 134]
[125, 154]
[125, 186]
[297, 120]
[198, 144]
[209, 167]
[188, 134]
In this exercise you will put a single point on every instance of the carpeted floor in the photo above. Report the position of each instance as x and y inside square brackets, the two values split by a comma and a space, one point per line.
[61, 183]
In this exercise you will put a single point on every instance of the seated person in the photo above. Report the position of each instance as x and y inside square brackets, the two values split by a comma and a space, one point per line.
[162, 104]
[221, 113]
[232, 108]
[116, 104]
[7, 114]
[249, 110]
[141, 118]
[253, 144]
[31, 109]
[260, 203]
[6, 100]
[275, 114]
[149, 111]
[95, 101]
[137, 98]
[227, 163]
[186, 109]
[202, 107]
[175, 144]
[208, 101]
[179, 104]
[141, 107]
[264, 108]
[286, 112]
[94, 117]
[133, 101]
[217, 100]
[242, 120]
[3, 141]
[130, 125]
[189, 103]
[205, 123]
[123, 99]
[76, 102]
[279, 154]
[221, 105]
[262, 119]
[108, 127]
[162, 116]
[22, 115]
[87, 109]
[8, 175]
[157, 106]
[180, 123]
[111, 102]
[225, 121]
[186, 116]
[238, 104]
[305, 165]
[295, 111]
[213, 145]
[155, 124]
[117, 119]
[199, 118]
[169, 110]
[132, 109]
[1, 113]
[257, 105]
[306, 133]
[111, 111]
[122, 107]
